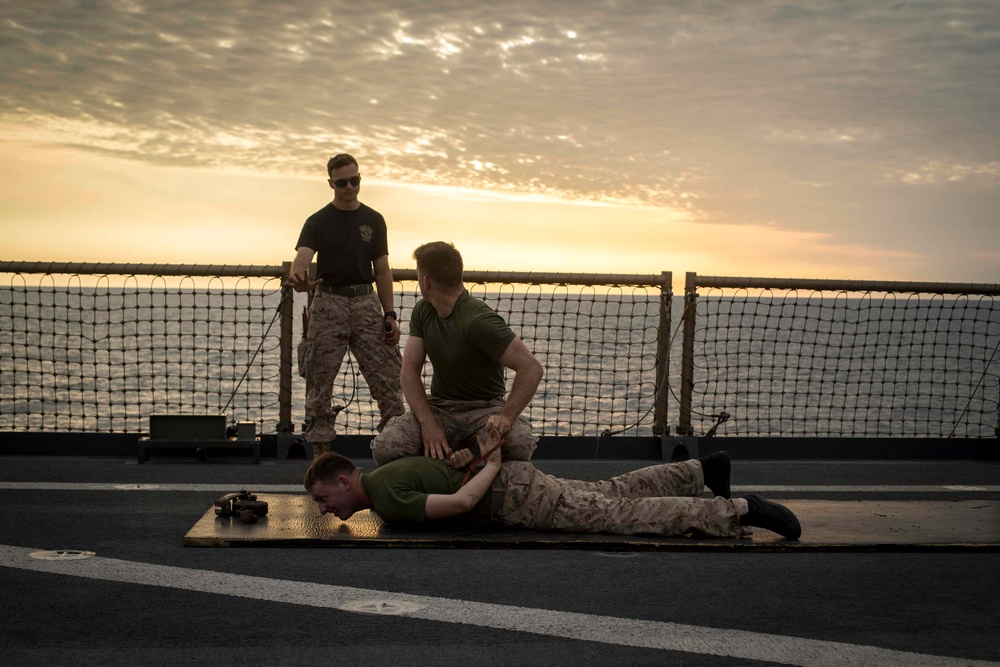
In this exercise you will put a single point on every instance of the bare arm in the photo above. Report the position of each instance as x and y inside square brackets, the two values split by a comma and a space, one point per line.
[444, 506]
[528, 374]
[299, 276]
[383, 285]
[414, 357]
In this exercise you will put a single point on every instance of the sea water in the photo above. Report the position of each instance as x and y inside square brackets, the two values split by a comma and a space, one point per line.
[88, 359]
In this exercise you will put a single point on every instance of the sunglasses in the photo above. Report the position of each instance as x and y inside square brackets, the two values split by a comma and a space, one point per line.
[342, 182]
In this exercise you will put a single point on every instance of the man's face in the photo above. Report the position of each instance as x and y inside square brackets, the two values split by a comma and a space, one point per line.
[346, 183]
[334, 497]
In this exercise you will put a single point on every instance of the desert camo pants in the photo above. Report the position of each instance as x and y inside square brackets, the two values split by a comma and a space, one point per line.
[336, 324]
[461, 421]
[656, 500]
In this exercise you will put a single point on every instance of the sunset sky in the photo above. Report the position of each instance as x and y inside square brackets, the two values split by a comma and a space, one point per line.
[840, 139]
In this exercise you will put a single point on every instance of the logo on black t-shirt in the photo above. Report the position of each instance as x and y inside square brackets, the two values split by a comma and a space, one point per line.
[366, 233]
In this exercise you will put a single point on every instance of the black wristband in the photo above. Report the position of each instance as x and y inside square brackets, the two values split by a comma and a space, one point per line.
[392, 314]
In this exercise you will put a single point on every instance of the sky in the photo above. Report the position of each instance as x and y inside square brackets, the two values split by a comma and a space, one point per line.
[843, 139]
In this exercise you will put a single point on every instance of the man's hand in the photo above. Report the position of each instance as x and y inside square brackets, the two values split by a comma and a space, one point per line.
[391, 331]
[461, 458]
[435, 442]
[300, 282]
[497, 426]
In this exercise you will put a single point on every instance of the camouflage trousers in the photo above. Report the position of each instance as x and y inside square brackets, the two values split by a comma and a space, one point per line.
[657, 500]
[336, 324]
[461, 421]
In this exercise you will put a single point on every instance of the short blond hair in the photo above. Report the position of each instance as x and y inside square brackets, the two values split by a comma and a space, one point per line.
[441, 262]
[329, 465]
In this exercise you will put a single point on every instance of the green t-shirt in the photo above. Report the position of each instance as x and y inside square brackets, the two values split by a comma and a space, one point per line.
[399, 489]
[464, 348]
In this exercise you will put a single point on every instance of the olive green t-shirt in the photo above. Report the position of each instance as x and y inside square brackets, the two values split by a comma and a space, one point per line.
[464, 348]
[399, 489]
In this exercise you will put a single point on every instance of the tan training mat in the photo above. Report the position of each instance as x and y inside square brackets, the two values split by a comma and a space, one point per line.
[827, 525]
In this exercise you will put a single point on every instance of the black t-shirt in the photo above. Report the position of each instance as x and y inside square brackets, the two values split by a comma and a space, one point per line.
[347, 242]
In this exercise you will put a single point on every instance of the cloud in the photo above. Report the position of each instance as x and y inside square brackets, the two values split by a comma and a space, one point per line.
[937, 172]
[730, 113]
[633, 85]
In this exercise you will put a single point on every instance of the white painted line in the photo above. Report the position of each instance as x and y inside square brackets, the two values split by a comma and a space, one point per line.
[582, 627]
[61, 554]
[118, 486]
[884, 488]
[383, 607]
[297, 488]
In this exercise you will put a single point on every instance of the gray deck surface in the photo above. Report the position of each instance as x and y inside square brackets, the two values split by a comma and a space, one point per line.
[145, 598]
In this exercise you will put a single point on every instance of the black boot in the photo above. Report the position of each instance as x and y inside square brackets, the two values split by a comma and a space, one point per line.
[772, 516]
[715, 468]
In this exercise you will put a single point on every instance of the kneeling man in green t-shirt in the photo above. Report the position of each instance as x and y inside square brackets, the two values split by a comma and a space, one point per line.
[469, 345]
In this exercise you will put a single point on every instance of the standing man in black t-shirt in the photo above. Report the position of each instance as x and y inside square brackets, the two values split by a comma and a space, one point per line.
[347, 311]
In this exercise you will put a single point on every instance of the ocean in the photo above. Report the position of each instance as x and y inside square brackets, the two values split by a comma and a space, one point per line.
[105, 358]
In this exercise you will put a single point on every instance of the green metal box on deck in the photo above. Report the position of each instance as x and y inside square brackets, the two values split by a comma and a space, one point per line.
[198, 432]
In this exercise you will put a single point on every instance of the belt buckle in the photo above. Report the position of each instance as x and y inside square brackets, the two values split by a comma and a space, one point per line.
[354, 291]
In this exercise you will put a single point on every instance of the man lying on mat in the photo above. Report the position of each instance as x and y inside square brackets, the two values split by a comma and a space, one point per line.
[660, 499]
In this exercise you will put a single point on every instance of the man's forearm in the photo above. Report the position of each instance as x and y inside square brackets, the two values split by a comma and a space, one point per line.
[480, 483]
[522, 391]
[383, 285]
[301, 264]
[383, 282]
[528, 374]
[446, 506]
[469, 495]
[416, 398]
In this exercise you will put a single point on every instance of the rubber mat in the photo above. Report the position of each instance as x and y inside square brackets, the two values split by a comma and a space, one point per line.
[294, 521]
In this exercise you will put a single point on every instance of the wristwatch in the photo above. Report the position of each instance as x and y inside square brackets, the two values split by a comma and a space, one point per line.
[392, 314]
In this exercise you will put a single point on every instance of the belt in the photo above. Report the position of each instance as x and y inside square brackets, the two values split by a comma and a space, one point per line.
[348, 290]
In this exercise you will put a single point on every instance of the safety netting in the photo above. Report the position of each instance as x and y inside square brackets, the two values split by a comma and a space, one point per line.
[597, 345]
[103, 352]
[812, 363]
[100, 353]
